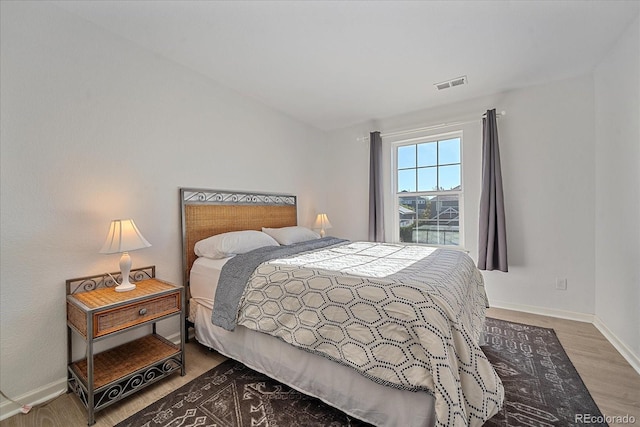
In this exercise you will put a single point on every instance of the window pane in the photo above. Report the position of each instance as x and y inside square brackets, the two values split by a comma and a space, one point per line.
[428, 154]
[447, 215]
[423, 207]
[427, 232]
[449, 151]
[449, 177]
[407, 218]
[407, 156]
[421, 234]
[406, 180]
[427, 179]
[406, 234]
[450, 237]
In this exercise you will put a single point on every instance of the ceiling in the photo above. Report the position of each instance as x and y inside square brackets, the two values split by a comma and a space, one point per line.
[336, 63]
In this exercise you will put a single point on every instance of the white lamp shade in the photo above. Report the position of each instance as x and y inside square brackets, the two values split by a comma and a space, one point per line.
[322, 222]
[123, 236]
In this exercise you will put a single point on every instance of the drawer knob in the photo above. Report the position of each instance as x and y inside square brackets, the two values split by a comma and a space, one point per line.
[142, 311]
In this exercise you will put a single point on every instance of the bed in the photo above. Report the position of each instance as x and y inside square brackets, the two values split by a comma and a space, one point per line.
[375, 390]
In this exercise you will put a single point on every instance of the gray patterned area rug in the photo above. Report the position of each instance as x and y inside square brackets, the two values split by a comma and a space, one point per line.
[232, 395]
[542, 388]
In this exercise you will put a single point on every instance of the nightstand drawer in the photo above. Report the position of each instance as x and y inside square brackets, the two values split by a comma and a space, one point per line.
[106, 322]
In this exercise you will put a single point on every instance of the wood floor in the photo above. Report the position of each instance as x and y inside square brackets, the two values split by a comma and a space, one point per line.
[614, 385]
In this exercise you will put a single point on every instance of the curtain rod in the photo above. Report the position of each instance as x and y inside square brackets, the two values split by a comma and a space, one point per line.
[433, 127]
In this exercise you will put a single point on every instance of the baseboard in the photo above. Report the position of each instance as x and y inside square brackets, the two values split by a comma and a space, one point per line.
[543, 311]
[174, 338]
[625, 351]
[33, 398]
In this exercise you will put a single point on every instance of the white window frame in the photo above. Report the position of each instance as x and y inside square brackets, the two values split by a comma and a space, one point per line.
[395, 196]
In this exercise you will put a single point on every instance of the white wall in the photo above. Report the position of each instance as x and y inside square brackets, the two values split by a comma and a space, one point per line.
[547, 152]
[95, 128]
[617, 226]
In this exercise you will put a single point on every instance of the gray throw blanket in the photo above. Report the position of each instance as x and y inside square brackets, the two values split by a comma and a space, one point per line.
[236, 272]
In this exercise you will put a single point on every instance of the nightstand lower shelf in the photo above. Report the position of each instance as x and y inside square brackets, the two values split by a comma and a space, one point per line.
[125, 369]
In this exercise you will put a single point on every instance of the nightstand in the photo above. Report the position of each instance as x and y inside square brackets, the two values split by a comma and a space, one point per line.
[95, 312]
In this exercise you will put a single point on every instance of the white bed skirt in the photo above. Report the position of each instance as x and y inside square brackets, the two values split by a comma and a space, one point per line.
[335, 384]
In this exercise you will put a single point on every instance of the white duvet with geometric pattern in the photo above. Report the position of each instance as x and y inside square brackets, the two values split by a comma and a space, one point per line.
[408, 317]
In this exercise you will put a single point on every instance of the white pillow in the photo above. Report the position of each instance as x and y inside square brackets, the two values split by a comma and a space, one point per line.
[290, 235]
[232, 243]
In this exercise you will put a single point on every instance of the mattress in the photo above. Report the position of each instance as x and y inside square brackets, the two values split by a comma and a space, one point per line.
[203, 279]
[338, 385]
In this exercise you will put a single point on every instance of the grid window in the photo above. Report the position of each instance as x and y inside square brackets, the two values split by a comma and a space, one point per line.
[429, 191]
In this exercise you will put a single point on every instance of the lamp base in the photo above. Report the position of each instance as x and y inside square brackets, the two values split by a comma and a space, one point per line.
[125, 268]
[125, 287]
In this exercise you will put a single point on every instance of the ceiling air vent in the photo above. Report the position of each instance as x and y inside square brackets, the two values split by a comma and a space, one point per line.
[458, 81]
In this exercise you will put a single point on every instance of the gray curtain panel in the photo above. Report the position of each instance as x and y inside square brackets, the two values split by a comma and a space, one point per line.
[376, 223]
[492, 242]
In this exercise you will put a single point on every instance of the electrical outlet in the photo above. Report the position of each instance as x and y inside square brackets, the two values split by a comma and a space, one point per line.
[561, 284]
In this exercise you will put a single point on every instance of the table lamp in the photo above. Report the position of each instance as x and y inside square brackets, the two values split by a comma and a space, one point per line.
[322, 222]
[123, 237]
